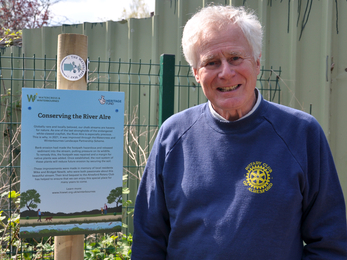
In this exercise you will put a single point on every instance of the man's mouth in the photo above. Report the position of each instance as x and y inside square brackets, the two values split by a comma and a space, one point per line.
[231, 88]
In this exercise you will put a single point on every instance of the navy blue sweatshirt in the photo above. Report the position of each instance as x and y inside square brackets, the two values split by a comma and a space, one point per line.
[256, 188]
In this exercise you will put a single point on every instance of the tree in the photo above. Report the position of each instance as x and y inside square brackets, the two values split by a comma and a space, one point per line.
[19, 14]
[138, 9]
[115, 196]
[30, 199]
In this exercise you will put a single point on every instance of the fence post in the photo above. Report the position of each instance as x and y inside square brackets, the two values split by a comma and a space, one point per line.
[70, 247]
[166, 88]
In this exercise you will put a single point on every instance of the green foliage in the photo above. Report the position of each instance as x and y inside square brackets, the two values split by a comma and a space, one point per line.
[11, 38]
[10, 226]
[110, 247]
[127, 203]
[10, 101]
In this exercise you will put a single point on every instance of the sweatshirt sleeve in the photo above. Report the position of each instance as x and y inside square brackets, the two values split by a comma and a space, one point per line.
[151, 218]
[323, 228]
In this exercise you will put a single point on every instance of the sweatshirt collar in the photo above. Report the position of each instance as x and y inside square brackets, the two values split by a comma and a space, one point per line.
[246, 123]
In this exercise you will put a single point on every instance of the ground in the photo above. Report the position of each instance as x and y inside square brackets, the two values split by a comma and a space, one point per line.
[56, 220]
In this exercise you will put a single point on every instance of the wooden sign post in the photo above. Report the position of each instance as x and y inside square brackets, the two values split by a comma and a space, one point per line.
[72, 48]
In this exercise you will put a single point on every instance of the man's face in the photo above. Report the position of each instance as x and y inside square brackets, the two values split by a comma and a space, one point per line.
[227, 72]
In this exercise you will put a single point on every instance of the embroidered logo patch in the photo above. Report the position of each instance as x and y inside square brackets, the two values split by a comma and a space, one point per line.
[258, 177]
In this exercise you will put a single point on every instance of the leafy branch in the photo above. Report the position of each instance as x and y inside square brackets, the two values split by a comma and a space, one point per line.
[11, 38]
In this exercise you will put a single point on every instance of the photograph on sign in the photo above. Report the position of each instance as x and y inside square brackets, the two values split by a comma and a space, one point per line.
[71, 162]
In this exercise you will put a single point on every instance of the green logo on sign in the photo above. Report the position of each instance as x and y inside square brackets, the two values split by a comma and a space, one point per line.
[31, 97]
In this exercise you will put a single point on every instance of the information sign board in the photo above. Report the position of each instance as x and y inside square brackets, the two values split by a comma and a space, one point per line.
[71, 162]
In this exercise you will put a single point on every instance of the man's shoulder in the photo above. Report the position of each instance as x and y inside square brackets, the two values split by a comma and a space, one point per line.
[286, 119]
[186, 117]
[179, 123]
[282, 112]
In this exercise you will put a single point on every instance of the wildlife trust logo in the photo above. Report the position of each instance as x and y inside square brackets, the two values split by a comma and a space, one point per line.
[258, 177]
[73, 67]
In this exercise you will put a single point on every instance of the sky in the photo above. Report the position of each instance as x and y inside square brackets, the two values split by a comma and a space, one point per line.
[79, 11]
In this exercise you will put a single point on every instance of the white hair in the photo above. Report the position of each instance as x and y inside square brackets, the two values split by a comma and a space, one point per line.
[216, 18]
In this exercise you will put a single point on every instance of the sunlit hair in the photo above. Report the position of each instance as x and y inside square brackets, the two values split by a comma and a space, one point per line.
[216, 18]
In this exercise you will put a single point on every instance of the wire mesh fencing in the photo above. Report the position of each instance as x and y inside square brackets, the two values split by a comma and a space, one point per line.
[142, 83]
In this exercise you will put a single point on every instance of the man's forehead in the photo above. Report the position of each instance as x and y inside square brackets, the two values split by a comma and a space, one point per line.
[227, 41]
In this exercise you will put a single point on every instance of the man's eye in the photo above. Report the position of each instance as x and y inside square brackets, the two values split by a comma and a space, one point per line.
[235, 60]
[212, 64]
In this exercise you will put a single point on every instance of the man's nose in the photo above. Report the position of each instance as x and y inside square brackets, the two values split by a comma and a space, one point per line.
[226, 71]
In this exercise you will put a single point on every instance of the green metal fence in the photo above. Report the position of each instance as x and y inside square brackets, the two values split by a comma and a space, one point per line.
[153, 92]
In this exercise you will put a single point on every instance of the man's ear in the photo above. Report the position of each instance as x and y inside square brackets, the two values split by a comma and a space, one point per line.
[258, 64]
[196, 75]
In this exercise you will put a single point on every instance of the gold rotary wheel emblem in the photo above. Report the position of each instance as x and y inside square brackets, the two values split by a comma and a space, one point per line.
[258, 177]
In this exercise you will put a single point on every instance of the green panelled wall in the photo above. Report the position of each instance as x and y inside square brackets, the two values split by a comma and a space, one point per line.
[307, 42]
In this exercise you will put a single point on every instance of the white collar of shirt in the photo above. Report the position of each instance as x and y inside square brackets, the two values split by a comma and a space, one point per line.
[219, 117]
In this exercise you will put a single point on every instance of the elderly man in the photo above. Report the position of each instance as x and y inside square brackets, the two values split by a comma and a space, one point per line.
[238, 177]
